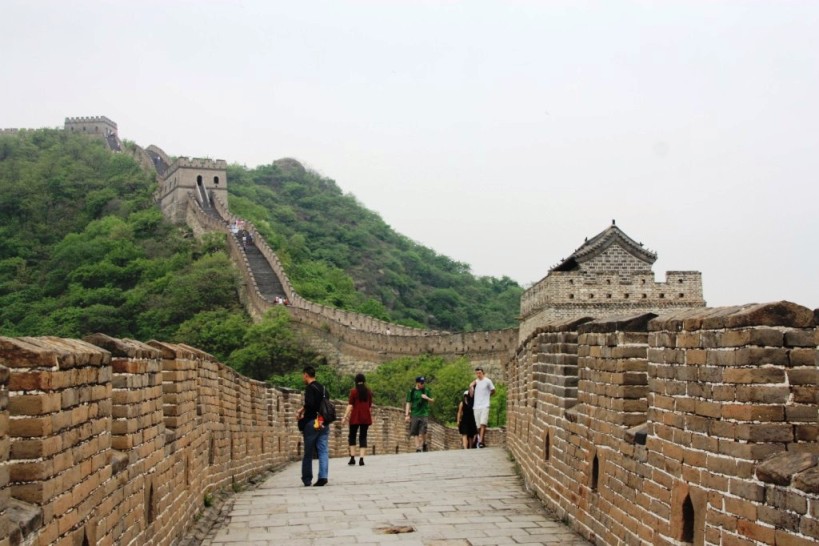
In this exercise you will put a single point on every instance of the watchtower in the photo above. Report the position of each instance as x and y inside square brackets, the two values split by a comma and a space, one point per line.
[205, 179]
[608, 274]
[95, 126]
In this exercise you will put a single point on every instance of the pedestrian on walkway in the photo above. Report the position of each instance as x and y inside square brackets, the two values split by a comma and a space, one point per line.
[418, 400]
[316, 432]
[466, 420]
[359, 416]
[482, 390]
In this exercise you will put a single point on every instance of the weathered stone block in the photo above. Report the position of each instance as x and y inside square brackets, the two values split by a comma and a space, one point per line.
[753, 375]
[745, 412]
[780, 468]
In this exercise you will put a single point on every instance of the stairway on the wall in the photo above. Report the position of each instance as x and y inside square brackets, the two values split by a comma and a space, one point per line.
[269, 284]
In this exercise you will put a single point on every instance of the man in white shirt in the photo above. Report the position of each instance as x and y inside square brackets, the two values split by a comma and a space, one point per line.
[482, 390]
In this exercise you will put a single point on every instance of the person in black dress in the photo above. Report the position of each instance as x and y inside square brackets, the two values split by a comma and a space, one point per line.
[466, 421]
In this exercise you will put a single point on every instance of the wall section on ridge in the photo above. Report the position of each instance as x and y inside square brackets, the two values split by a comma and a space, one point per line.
[352, 341]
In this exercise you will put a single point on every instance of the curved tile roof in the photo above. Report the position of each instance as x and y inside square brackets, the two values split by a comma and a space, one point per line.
[600, 242]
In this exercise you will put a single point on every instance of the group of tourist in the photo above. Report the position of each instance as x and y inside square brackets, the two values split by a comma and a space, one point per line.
[472, 419]
[473, 410]
[237, 228]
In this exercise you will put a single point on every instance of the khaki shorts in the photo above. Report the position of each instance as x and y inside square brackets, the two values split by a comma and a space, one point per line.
[481, 416]
[418, 425]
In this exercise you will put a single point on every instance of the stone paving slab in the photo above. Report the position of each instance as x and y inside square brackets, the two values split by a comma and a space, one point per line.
[442, 498]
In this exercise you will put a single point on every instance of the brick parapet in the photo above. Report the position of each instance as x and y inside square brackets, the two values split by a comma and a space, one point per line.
[90, 120]
[198, 163]
[113, 441]
[143, 159]
[604, 288]
[5, 491]
[564, 295]
[154, 149]
[60, 430]
[728, 391]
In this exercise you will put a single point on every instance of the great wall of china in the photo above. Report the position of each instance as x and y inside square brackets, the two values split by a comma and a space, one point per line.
[670, 423]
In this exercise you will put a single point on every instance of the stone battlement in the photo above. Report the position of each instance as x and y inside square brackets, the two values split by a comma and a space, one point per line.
[196, 163]
[680, 287]
[90, 120]
[608, 274]
[696, 426]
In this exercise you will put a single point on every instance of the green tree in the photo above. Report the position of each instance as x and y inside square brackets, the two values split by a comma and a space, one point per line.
[447, 379]
[338, 253]
[338, 384]
[219, 332]
[271, 347]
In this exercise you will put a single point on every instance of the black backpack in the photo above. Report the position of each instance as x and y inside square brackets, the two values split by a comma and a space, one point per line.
[326, 408]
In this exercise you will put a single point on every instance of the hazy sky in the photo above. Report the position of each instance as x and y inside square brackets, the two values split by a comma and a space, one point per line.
[500, 134]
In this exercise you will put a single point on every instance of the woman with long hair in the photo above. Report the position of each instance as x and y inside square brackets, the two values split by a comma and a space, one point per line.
[359, 416]
[466, 421]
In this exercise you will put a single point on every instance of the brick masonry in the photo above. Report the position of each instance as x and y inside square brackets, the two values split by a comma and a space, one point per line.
[114, 441]
[675, 424]
[693, 427]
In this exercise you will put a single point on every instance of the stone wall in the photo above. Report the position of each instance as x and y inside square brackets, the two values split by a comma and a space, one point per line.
[186, 175]
[694, 427]
[566, 295]
[96, 126]
[617, 258]
[352, 341]
[114, 441]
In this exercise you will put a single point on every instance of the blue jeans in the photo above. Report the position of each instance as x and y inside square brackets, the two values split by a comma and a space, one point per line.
[315, 440]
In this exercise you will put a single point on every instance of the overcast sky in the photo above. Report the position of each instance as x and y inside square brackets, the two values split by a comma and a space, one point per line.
[500, 134]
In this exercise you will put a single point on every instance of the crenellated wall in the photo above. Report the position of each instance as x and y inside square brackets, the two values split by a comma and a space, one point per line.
[354, 342]
[204, 177]
[564, 295]
[98, 126]
[694, 427]
[114, 441]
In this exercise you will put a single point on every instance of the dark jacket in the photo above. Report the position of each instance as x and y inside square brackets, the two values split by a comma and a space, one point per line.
[313, 394]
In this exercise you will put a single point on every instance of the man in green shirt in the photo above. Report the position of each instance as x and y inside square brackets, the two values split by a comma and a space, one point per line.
[418, 401]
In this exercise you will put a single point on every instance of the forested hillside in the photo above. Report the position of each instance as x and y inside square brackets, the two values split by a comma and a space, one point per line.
[83, 248]
[339, 253]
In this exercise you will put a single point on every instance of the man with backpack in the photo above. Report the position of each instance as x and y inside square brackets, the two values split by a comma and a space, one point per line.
[316, 432]
[418, 401]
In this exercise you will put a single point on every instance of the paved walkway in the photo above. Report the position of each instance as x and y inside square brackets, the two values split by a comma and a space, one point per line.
[463, 497]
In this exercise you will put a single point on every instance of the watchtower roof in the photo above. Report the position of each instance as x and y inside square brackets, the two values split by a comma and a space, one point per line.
[595, 246]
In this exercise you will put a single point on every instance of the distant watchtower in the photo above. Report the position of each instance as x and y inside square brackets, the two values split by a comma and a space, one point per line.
[607, 275]
[95, 126]
[205, 179]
